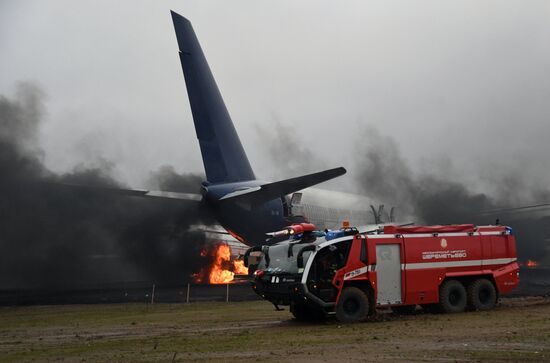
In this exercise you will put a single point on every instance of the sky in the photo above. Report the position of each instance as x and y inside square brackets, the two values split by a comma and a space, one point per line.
[460, 87]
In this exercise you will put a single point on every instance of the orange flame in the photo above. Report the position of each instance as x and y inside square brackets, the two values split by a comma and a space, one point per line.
[218, 273]
[222, 270]
[531, 263]
[239, 267]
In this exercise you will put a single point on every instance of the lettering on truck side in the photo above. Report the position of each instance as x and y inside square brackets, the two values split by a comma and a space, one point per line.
[356, 272]
[446, 254]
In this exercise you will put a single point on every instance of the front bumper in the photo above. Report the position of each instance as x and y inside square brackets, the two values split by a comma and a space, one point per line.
[279, 290]
[285, 292]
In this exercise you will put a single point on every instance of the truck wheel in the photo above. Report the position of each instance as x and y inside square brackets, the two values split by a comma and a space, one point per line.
[452, 297]
[404, 310]
[482, 295]
[353, 305]
[303, 312]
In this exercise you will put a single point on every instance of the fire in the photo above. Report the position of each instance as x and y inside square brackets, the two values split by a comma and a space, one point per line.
[531, 263]
[239, 267]
[222, 270]
[218, 273]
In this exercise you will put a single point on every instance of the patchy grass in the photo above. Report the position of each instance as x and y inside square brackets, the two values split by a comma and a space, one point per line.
[519, 330]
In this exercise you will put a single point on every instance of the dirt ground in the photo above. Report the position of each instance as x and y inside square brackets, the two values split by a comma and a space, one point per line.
[518, 330]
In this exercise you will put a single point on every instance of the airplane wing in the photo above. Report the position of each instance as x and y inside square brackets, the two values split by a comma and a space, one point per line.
[189, 197]
[161, 194]
[257, 195]
[533, 208]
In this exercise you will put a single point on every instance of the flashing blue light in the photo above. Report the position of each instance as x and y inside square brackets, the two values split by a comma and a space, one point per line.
[334, 234]
[509, 230]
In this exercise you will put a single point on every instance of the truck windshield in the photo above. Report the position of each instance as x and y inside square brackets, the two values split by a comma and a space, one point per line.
[279, 260]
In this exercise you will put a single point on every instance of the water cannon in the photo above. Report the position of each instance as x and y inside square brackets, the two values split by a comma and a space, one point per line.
[293, 230]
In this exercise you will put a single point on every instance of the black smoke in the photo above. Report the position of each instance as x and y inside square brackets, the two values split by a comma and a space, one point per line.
[430, 196]
[53, 236]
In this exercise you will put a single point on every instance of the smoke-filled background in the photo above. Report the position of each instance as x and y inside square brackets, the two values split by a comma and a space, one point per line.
[56, 236]
[436, 195]
[439, 109]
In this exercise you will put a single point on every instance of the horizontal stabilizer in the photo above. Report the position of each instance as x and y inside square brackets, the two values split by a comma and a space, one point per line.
[270, 191]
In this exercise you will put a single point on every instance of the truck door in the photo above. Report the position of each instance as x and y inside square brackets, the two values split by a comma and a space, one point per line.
[388, 272]
[327, 261]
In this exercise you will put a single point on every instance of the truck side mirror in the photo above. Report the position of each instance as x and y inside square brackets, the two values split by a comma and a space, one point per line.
[300, 257]
[248, 252]
[265, 251]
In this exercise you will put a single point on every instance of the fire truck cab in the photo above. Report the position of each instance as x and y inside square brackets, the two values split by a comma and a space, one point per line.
[350, 274]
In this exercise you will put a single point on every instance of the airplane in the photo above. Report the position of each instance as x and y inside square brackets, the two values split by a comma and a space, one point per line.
[247, 208]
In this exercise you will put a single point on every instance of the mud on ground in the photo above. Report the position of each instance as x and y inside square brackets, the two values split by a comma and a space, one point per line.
[518, 330]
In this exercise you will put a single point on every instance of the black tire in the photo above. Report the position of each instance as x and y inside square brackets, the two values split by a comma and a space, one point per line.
[353, 305]
[303, 312]
[452, 297]
[404, 310]
[482, 295]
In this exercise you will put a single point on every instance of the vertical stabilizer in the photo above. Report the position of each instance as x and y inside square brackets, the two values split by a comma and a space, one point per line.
[222, 152]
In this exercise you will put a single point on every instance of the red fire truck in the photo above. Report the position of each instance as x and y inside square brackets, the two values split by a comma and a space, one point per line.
[350, 274]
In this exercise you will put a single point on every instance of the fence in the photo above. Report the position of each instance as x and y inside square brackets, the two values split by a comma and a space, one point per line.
[145, 292]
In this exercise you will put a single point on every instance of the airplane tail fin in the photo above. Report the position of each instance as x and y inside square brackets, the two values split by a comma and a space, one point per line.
[222, 152]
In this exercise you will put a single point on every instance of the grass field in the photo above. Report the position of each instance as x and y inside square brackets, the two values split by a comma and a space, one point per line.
[518, 330]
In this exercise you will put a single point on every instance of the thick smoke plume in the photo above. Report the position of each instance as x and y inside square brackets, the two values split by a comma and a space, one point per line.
[56, 236]
[290, 153]
[430, 197]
